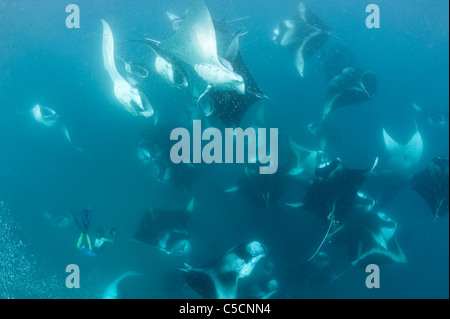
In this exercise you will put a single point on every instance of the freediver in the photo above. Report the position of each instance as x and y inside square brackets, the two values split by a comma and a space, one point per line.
[84, 243]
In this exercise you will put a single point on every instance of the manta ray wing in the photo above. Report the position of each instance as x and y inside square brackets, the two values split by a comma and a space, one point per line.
[313, 34]
[304, 50]
[108, 53]
[211, 283]
[230, 106]
[195, 41]
[147, 231]
[432, 184]
[335, 194]
[201, 282]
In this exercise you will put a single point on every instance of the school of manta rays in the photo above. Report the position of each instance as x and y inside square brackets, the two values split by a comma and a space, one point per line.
[202, 58]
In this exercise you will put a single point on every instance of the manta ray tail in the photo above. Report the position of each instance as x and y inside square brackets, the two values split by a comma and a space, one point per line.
[342, 273]
[326, 234]
[334, 36]
[237, 19]
[66, 134]
[207, 107]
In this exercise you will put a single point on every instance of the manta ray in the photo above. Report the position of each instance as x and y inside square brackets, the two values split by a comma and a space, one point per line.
[437, 116]
[351, 86]
[229, 106]
[219, 279]
[432, 184]
[154, 150]
[127, 92]
[337, 58]
[166, 230]
[316, 271]
[263, 189]
[194, 46]
[304, 35]
[306, 162]
[49, 118]
[369, 236]
[261, 284]
[404, 156]
[334, 190]
[266, 189]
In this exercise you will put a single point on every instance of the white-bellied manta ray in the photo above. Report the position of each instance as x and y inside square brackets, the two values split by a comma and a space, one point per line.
[132, 98]
[219, 279]
[49, 118]
[167, 230]
[195, 45]
[227, 105]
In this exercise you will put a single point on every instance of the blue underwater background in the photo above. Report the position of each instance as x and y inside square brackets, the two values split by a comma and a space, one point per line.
[41, 175]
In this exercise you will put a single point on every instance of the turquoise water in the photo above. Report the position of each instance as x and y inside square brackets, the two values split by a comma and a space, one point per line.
[42, 176]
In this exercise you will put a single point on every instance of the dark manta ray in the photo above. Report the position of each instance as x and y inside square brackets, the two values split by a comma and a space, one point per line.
[351, 86]
[219, 280]
[334, 191]
[166, 230]
[266, 189]
[432, 185]
[230, 106]
[304, 35]
[369, 237]
[316, 271]
[155, 151]
[263, 189]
